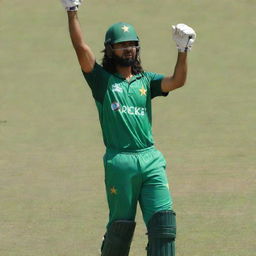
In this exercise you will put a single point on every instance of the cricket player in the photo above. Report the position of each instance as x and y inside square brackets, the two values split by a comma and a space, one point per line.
[134, 168]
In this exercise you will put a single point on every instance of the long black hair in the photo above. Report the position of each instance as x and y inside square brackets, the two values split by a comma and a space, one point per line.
[109, 63]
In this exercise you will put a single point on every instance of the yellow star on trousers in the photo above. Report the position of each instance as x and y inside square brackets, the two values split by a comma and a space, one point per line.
[125, 28]
[113, 191]
[142, 91]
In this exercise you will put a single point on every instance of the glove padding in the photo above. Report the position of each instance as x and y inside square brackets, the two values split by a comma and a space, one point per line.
[184, 36]
[71, 5]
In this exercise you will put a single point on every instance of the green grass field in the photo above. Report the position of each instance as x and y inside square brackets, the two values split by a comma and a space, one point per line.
[52, 198]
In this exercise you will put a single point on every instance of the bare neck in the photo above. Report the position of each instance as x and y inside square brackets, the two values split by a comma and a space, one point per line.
[125, 72]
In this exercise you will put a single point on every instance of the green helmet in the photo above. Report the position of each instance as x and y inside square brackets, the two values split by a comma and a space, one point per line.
[120, 32]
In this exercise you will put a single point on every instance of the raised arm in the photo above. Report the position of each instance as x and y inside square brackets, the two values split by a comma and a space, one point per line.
[84, 54]
[184, 36]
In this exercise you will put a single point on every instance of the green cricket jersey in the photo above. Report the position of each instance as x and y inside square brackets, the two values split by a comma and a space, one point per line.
[124, 107]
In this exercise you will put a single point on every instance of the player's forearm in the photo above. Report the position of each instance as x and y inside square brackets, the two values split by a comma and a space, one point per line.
[75, 30]
[179, 76]
[180, 71]
[84, 54]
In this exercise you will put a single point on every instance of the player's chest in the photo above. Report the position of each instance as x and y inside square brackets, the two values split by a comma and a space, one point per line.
[135, 92]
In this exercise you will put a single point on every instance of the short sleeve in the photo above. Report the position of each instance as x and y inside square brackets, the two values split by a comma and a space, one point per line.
[155, 84]
[97, 79]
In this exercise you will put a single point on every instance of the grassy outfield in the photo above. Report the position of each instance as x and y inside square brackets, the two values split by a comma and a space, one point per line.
[52, 199]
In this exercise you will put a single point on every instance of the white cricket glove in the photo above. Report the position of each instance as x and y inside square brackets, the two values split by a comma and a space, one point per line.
[184, 36]
[71, 5]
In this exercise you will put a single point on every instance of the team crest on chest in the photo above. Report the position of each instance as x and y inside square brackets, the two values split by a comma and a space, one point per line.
[143, 91]
[117, 88]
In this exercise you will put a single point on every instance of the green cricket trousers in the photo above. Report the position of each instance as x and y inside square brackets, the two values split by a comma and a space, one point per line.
[132, 177]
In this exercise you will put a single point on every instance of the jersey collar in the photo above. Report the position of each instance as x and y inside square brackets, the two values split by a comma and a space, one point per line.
[133, 78]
